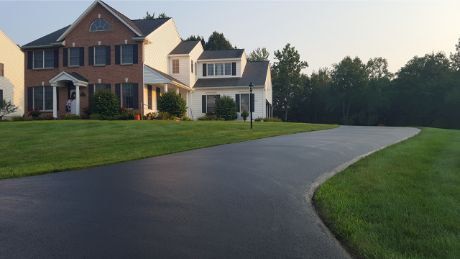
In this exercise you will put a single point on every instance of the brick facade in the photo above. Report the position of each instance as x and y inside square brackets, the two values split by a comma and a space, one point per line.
[112, 74]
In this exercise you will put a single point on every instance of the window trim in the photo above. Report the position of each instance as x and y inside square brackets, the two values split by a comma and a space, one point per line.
[121, 54]
[224, 70]
[99, 19]
[43, 97]
[43, 60]
[208, 102]
[70, 54]
[174, 66]
[94, 56]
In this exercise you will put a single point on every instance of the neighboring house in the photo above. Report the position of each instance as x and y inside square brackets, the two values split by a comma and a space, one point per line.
[11, 74]
[137, 60]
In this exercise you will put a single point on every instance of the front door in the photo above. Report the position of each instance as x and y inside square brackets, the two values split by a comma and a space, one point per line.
[71, 104]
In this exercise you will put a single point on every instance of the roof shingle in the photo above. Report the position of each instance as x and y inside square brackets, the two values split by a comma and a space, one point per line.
[221, 54]
[185, 47]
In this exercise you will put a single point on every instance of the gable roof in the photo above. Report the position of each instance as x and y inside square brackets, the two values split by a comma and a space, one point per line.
[221, 54]
[185, 47]
[255, 72]
[125, 20]
[145, 27]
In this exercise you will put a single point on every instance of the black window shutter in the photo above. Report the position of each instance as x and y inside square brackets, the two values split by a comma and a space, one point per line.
[158, 95]
[91, 56]
[233, 68]
[1, 97]
[252, 102]
[82, 56]
[118, 92]
[56, 58]
[30, 57]
[65, 56]
[135, 90]
[149, 96]
[203, 103]
[135, 53]
[107, 55]
[91, 96]
[237, 101]
[117, 54]
[204, 70]
[30, 98]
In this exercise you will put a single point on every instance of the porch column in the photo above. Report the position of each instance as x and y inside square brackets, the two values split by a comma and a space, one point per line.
[166, 88]
[55, 115]
[77, 99]
[177, 90]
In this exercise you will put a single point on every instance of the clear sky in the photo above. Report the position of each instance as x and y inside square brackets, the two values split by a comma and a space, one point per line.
[323, 31]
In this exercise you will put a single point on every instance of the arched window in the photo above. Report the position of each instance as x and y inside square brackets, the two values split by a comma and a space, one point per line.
[99, 25]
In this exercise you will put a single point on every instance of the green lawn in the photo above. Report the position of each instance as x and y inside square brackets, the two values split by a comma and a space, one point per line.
[402, 202]
[30, 148]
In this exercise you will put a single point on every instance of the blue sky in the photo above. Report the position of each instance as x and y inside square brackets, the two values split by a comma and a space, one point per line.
[323, 31]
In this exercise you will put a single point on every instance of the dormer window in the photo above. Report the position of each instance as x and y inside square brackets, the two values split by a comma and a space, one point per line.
[99, 25]
[219, 69]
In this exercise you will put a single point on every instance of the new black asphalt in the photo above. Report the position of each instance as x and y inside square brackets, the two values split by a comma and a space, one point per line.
[245, 200]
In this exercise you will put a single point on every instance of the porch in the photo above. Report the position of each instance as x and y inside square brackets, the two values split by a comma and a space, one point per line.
[156, 83]
[68, 101]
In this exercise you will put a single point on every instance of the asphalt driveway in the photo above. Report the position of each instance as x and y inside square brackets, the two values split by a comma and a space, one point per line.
[244, 200]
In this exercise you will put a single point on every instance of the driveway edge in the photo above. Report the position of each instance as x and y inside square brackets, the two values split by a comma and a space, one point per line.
[326, 176]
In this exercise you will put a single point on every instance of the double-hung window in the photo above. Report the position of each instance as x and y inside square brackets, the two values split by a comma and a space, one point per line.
[219, 69]
[127, 54]
[41, 98]
[43, 59]
[244, 103]
[211, 103]
[210, 69]
[100, 55]
[128, 95]
[74, 57]
[175, 66]
[228, 69]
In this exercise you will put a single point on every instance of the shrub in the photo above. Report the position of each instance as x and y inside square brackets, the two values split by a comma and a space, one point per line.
[126, 115]
[70, 117]
[245, 115]
[226, 108]
[106, 105]
[165, 116]
[6, 108]
[173, 104]
[35, 114]
[151, 116]
[259, 119]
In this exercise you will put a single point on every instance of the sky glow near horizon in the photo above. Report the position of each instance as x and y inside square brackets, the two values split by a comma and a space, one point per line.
[322, 31]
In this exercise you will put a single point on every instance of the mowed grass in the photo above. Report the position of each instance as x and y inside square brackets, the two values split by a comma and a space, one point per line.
[30, 148]
[402, 202]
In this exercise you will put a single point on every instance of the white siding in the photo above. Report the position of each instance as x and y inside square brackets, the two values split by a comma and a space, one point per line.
[159, 44]
[12, 83]
[259, 100]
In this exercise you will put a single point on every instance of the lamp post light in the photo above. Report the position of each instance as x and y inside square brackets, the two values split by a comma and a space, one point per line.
[251, 85]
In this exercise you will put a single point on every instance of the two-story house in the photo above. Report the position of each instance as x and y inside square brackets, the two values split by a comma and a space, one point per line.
[11, 74]
[137, 60]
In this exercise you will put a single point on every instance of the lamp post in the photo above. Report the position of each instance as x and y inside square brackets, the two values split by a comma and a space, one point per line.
[251, 85]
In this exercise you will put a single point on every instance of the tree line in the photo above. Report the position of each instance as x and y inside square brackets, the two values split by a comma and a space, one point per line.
[424, 92]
